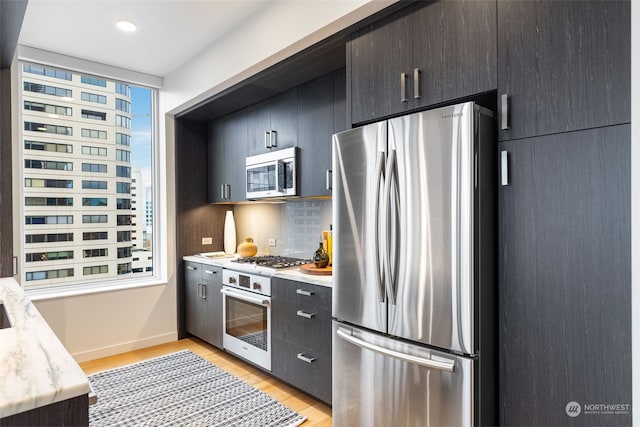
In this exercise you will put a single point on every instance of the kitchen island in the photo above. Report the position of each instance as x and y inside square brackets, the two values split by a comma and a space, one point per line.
[41, 384]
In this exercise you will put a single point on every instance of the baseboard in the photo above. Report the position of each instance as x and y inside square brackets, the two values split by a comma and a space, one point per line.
[111, 350]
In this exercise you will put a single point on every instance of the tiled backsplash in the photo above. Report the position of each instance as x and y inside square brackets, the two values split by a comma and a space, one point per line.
[296, 225]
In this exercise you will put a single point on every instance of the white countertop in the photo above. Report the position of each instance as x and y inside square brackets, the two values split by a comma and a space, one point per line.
[287, 273]
[35, 368]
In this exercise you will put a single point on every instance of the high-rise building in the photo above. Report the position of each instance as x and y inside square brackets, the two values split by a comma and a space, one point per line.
[77, 177]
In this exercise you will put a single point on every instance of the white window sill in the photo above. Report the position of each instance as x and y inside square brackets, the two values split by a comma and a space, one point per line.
[93, 288]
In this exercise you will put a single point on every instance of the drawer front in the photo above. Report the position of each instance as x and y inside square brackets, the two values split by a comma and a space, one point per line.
[300, 293]
[308, 327]
[312, 375]
[211, 274]
[192, 271]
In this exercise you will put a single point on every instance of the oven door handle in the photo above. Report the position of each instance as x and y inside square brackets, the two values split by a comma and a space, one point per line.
[260, 301]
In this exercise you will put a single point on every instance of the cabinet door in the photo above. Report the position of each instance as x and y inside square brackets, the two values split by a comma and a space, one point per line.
[218, 167]
[258, 123]
[379, 54]
[192, 283]
[455, 50]
[283, 110]
[565, 65]
[340, 101]
[211, 315]
[565, 277]
[315, 128]
[236, 153]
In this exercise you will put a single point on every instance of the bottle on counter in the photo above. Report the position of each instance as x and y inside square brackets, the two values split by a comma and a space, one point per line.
[320, 257]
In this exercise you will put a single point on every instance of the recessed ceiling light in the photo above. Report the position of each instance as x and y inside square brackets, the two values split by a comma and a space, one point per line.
[125, 25]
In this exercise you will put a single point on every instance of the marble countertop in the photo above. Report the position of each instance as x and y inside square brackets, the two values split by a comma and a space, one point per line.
[35, 368]
[287, 273]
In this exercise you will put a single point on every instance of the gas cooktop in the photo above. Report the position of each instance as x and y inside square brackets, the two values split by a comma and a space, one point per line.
[273, 261]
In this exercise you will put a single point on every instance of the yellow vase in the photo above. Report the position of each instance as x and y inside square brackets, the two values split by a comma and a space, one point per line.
[247, 248]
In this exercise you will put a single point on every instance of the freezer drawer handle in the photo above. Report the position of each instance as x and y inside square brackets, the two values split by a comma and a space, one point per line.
[303, 292]
[428, 363]
[305, 314]
[305, 358]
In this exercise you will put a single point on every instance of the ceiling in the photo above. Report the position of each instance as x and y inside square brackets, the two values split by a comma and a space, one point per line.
[169, 32]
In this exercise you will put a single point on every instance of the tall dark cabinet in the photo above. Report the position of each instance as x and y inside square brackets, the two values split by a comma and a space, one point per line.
[564, 217]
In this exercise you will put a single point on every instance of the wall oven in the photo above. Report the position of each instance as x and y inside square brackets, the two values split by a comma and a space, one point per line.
[246, 312]
[272, 174]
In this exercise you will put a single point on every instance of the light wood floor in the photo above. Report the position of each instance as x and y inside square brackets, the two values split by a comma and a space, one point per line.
[317, 413]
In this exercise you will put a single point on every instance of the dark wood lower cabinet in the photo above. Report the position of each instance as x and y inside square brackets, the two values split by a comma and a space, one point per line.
[70, 412]
[565, 279]
[301, 336]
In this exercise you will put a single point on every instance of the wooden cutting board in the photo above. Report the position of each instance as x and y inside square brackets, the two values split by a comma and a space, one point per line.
[312, 269]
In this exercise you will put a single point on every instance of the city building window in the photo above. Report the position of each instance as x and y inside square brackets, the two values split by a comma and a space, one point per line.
[48, 183]
[49, 274]
[48, 108]
[94, 167]
[94, 253]
[95, 269]
[48, 146]
[48, 238]
[48, 164]
[48, 219]
[48, 90]
[109, 133]
[93, 81]
[43, 127]
[94, 185]
[93, 97]
[94, 115]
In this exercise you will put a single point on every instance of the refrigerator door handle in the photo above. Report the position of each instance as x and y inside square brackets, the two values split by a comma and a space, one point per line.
[422, 361]
[376, 221]
[390, 175]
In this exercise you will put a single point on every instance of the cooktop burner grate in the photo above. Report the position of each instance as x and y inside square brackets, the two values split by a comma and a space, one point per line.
[273, 261]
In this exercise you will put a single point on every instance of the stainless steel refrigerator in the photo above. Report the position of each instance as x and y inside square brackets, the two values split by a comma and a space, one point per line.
[414, 329]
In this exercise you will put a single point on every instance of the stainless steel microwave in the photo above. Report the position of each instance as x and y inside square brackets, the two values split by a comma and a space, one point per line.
[272, 174]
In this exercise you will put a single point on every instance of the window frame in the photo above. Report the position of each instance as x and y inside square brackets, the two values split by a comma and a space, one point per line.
[159, 181]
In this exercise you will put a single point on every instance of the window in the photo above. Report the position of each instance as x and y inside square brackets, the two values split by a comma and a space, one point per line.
[94, 219]
[94, 185]
[48, 146]
[94, 167]
[92, 97]
[94, 115]
[93, 81]
[43, 127]
[48, 164]
[106, 128]
[48, 183]
[50, 274]
[48, 108]
[48, 219]
[48, 90]
[123, 156]
[93, 133]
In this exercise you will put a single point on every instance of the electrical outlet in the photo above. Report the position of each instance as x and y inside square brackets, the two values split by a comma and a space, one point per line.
[207, 240]
[272, 242]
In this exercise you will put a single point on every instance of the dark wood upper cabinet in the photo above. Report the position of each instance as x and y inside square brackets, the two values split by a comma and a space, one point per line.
[273, 124]
[564, 65]
[426, 54]
[227, 153]
[565, 277]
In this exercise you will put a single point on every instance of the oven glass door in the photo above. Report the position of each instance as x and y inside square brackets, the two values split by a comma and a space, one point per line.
[247, 325]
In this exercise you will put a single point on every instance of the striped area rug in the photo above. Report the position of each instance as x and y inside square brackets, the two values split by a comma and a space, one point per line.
[182, 389]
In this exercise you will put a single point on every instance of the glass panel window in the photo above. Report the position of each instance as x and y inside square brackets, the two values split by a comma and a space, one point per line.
[95, 269]
[49, 274]
[106, 128]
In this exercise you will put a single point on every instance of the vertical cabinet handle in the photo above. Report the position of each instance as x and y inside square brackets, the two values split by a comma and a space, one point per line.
[403, 87]
[416, 83]
[198, 292]
[204, 291]
[267, 139]
[504, 168]
[328, 178]
[228, 192]
[273, 139]
[504, 111]
[304, 292]
[222, 191]
[305, 358]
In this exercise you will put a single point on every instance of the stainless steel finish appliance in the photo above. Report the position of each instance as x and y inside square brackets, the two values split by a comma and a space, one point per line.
[272, 174]
[414, 274]
[246, 312]
[274, 262]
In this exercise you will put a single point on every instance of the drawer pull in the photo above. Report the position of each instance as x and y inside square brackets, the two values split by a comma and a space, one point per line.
[305, 314]
[210, 272]
[305, 358]
[303, 292]
[191, 268]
